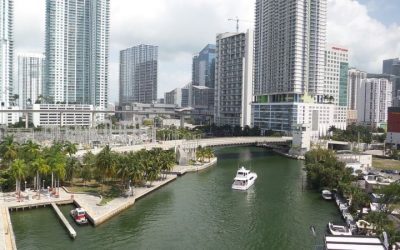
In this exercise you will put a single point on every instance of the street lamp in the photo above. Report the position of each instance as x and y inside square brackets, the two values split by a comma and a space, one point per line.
[25, 186]
[43, 185]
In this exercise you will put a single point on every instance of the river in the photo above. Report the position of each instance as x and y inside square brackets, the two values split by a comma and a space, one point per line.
[201, 211]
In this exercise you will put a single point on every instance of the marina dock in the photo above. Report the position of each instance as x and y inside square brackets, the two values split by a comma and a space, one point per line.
[64, 220]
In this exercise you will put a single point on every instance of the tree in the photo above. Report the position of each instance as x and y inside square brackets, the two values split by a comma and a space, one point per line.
[8, 150]
[70, 148]
[208, 153]
[390, 197]
[40, 167]
[18, 172]
[105, 162]
[200, 154]
[324, 170]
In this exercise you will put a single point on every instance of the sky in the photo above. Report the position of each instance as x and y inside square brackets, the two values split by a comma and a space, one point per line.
[370, 29]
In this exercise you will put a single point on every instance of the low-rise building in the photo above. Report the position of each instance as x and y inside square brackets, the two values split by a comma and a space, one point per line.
[393, 128]
[61, 117]
[365, 160]
[353, 242]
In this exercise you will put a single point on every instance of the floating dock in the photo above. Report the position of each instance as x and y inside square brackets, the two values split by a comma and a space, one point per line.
[64, 220]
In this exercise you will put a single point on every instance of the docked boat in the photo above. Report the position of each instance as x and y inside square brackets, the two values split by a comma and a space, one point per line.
[244, 179]
[79, 215]
[326, 194]
[338, 230]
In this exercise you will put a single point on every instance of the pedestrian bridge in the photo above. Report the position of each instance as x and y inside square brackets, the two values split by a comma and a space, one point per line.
[213, 142]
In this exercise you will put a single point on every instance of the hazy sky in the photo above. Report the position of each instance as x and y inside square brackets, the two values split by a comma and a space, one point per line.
[181, 28]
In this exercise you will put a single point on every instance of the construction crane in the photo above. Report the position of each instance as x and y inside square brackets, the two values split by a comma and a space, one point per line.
[237, 20]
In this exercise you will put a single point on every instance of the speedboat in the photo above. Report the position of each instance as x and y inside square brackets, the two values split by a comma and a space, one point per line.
[338, 230]
[326, 194]
[79, 215]
[244, 179]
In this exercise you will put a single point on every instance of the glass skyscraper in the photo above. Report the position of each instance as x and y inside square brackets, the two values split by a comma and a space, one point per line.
[138, 75]
[203, 69]
[77, 46]
[6, 51]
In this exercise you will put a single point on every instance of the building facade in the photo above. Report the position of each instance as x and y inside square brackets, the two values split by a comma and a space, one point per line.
[392, 67]
[6, 53]
[178, 96]
[373, 100]
[290, 42]
[336, 82]
[30, 79]
[138, 74]
[356, 77]
[77, 46]
[393, 126]
[233, 79]
[47, 119]
[203, 67]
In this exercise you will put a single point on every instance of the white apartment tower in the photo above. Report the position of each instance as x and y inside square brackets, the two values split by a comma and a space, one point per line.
[336, 82]
[356, 78]
[290, 43]
[30, 73]
[77, 45]
[374, 97]
[6, 51]
[233, 79]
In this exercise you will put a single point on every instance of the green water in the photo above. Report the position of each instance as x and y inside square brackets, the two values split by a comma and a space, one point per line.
[201, 211]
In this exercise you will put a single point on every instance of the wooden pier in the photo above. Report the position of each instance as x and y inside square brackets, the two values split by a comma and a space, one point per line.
[64, 220]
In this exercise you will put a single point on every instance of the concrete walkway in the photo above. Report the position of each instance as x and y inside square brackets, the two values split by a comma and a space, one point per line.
[99, 214]
[181, 170]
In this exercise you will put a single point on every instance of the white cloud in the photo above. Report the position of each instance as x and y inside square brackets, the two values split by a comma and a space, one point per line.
[369, 40]
[182, 28]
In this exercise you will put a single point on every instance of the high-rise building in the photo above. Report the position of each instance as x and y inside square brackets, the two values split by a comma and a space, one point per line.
[233, 79]
[336, 82]
[201, 92]
[138, 75]
[30, 73]
[6, 51]
[203, 68]
[77, 45]
[392, 67]
[374, 97]
[356, 78]
[178, 96]
[289, 53]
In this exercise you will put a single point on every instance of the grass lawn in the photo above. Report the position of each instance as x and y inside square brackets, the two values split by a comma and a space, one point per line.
[108, 191]
[386, 164]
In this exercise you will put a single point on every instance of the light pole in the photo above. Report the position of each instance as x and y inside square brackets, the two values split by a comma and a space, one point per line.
[25, 186]
[43, 185]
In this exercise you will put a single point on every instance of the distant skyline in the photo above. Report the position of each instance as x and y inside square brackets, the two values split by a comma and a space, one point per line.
[369, 28]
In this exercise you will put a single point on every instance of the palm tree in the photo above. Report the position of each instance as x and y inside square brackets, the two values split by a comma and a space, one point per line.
[40, 167]
[208, 152]
[200, 154]
[8, 150]
[105, 162]
[18, 172]
[70, 148]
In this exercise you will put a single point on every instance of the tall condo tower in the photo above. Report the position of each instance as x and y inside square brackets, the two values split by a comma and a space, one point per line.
[203, 67]
[138, 74]
[233, 79]
[290, 42]
[6, 51]
[77, 46]
[30, 68]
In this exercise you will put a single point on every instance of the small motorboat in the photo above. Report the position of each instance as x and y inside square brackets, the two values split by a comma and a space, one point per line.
[326, 194]
[244, 179]
[79, 215]
[338, 230]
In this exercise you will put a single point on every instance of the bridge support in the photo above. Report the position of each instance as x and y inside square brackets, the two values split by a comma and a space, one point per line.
[26, 120]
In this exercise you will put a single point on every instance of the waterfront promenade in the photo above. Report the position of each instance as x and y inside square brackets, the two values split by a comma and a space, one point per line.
[97, 213]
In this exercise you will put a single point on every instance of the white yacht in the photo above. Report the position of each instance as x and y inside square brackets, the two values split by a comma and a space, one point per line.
[244, 179]
[338, 230]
